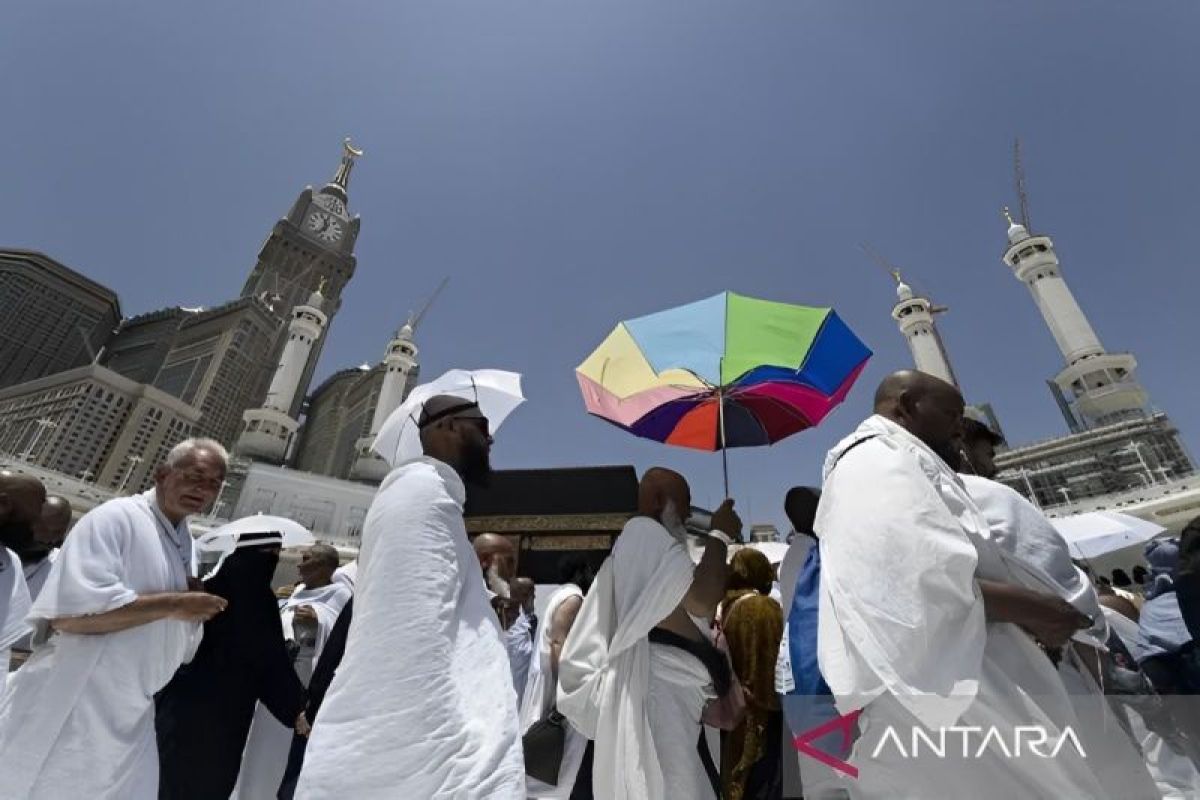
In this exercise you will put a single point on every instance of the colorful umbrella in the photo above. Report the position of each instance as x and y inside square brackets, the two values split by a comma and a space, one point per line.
[729, 371]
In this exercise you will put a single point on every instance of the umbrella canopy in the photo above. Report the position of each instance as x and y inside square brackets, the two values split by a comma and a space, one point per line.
[497, 392]
[729, 371]
[1093, 534]
[223, 539]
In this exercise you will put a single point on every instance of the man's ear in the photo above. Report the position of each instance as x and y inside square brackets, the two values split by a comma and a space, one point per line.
[906, 405]
[161, 472]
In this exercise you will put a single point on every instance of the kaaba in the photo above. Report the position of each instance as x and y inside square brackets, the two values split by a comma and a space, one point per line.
[552, 513]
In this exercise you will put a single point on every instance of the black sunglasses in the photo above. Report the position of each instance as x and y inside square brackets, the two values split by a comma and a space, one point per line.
[481, 422]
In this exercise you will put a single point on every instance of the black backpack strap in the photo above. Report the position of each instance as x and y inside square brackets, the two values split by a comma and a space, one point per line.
[851, 447]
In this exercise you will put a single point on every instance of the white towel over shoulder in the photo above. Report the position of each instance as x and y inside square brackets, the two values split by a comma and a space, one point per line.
[604, 674]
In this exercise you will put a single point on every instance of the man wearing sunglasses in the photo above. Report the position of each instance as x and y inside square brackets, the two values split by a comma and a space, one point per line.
[423, 703]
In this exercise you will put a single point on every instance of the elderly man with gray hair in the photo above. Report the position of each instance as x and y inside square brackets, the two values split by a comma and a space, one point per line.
[114, 620]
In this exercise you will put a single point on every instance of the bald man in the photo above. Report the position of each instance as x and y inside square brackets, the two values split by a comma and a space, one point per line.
[921, 621]
[498, 560]
[638, 668]
[21, 499]
[524, 594]
[423, 703]
[39, 555]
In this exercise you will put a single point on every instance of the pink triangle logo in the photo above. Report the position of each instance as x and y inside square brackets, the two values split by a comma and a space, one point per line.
[845, 724]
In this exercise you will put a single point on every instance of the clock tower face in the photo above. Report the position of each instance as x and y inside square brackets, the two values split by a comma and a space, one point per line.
[324, 227]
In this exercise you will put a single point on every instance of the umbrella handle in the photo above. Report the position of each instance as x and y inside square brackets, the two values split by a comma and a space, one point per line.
[725, 468]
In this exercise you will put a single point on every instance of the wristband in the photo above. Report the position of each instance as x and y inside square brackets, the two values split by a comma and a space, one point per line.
[721, 536]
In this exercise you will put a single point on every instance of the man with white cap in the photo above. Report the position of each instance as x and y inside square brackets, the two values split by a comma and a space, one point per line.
[422, 704]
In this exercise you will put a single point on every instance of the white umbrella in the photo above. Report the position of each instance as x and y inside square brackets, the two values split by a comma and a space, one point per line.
[774, 551]
[497, 392]
[223, 539]
[1093, 534]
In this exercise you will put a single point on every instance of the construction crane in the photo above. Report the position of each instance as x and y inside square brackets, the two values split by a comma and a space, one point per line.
[888, 267]
[415, 320]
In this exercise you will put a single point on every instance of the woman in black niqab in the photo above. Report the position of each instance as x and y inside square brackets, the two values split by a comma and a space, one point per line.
[204, 714]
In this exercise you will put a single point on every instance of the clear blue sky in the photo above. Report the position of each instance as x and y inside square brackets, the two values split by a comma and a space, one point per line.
[569, 164]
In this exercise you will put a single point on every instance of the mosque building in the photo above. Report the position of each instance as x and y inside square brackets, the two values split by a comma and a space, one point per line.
[93, 415]
[1120, 454]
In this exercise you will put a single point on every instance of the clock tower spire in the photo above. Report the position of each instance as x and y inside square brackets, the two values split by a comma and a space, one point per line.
[341, 179]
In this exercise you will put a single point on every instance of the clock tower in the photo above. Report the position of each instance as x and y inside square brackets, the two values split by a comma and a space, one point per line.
[313, 246]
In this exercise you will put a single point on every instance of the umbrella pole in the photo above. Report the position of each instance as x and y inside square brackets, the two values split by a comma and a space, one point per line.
[721, 425]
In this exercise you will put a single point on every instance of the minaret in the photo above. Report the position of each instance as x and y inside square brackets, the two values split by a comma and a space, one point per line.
[398, 364]
[1101, 387]
[268, 431]
[914, 315]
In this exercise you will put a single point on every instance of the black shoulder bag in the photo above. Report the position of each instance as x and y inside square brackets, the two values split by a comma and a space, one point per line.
[543, 744]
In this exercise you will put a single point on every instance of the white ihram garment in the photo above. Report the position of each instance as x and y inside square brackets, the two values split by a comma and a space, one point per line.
[423, 704]
[327, 602]
[264, 759]
[78, 718]
[902, 633]
[347, 574]
[35, 578]
[639, 702]
[1039, 559]
[540, 693]
[1036, 551]
[14, 606]
[518, 641]
[36, 574]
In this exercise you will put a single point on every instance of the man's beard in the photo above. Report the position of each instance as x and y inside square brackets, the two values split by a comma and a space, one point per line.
[33, 552]
[476, 465]
[496, 582]
[16, 535]
[673, 522]
[949, 452]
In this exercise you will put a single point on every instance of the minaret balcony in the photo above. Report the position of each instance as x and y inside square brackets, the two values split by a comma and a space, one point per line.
[266, 435]
[368, 466]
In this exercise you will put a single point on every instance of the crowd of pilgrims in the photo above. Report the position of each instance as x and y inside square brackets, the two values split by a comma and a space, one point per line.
[915, 591]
